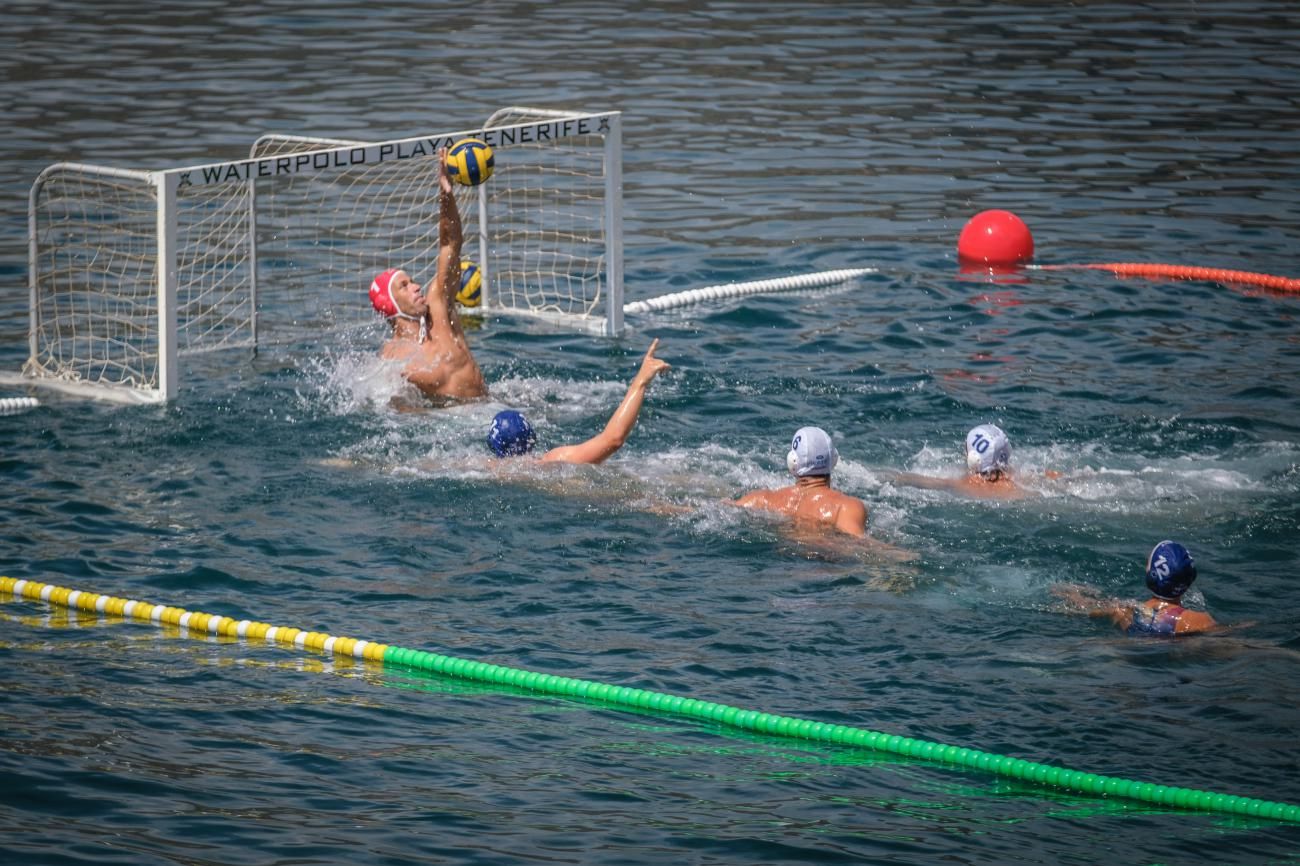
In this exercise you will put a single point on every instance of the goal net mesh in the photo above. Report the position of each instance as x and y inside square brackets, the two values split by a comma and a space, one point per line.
[94, 265]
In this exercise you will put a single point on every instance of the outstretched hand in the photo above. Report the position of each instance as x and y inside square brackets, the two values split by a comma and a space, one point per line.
[444, 180]
[650, 365]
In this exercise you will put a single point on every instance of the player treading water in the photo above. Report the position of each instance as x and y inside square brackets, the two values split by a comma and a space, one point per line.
[988, 469]
[815, 509]
[427, 338]
[810, 500]
[1169, 575]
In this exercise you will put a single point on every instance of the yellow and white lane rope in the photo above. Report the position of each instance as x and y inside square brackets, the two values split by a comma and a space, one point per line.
[159, 614]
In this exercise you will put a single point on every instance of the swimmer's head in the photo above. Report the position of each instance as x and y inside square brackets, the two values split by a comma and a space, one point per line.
[811, 453]
[988, 453]
[381, 294]
[510, 435]
[383, 297]
[1170, 570]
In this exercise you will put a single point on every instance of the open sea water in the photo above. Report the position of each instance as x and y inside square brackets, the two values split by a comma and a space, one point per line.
[760, 142]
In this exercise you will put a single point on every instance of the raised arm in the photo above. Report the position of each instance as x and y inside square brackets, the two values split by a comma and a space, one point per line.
[441, 293]
[606, 442]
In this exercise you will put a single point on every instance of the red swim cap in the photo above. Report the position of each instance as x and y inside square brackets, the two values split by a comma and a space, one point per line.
[995, 237]
[381, 295]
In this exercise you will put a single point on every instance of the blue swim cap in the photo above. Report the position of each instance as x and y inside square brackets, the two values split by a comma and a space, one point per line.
[1170, 570]
[511, 434]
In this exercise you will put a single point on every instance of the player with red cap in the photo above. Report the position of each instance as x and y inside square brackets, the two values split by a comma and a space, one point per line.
[381, 295]
[427, 338]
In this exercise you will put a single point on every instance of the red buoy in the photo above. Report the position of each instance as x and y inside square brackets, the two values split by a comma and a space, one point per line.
[995, 237]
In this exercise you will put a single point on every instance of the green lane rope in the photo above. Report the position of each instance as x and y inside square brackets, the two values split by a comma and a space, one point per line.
[641, 699]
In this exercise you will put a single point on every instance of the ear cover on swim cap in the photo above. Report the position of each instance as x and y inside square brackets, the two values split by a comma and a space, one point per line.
[510, 435]
[1170, 570]
[381, 294]
[811, 453]
[987, 449]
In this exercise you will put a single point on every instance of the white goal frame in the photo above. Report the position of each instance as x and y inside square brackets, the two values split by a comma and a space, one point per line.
[206, 257]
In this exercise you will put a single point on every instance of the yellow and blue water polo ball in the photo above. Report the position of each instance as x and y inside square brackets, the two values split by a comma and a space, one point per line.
[471, 285]
[470, 161]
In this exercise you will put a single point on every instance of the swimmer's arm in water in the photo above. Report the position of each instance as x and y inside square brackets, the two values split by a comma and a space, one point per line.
[406, 406]
[1085, 600]
[606, 442]
[927, 482]
[669, 509]
[889, 551]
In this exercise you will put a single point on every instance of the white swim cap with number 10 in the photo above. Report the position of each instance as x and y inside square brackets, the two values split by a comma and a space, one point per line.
[987, 449]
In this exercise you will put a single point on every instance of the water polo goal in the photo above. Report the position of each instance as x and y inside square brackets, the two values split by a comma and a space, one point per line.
[131, 271]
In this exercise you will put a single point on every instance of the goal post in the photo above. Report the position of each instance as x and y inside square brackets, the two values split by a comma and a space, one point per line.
[519, 247]
[97, 303]
[132, 271]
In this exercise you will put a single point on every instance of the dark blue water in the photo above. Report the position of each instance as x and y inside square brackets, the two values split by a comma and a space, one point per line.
[758, 143]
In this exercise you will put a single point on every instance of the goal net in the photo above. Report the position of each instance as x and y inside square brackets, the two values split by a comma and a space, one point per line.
[132, 271]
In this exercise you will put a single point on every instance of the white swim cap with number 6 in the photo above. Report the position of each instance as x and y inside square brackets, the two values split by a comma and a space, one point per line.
[811, 453]
[987, 449]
